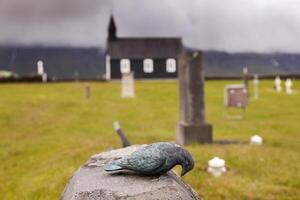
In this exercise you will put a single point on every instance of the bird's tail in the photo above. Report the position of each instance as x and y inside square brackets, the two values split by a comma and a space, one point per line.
[112, 167]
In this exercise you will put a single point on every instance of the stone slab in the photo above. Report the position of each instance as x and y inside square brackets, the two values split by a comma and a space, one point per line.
[92, 182]
[188, 134]
[128, 85]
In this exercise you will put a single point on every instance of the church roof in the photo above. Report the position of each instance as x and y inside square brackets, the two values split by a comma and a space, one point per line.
[134, 48]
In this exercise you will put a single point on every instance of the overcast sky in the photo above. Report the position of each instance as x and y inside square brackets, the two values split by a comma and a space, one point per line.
[231, 25]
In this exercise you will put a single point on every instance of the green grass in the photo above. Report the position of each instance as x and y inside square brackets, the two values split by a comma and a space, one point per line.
[48, 131]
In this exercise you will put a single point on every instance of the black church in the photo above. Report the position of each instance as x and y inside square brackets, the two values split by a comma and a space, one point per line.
[146, 57]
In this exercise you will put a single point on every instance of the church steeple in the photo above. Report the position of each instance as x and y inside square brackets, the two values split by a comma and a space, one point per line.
[112, 29]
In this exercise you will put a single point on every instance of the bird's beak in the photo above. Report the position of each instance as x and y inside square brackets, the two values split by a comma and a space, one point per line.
[183, 172]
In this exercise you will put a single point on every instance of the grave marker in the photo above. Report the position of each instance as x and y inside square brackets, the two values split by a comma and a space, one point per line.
[235, 96]
[245, 78]
[128, 85]
[277, 84]
[216, 166]
[288, 86]
[44, 77]
[40, 67]
[76, 76]
[256, 140]
[192, 127]
[87, 91]
[256, 84]
[124, 140]
[41, 71]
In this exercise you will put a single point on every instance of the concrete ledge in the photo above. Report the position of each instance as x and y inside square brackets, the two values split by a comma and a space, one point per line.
[92, 182]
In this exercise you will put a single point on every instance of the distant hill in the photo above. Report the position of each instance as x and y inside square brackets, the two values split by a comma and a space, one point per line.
[65, 62]
[59, 62]
[231, 64]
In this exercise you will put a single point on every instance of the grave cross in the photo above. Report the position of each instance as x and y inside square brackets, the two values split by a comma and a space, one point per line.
[277, 84]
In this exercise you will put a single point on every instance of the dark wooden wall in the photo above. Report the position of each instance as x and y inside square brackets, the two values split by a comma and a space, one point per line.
[136, 65]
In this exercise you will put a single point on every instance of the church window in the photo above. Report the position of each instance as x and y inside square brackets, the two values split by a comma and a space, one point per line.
[148, 65]
[125, 66]
[171, 65]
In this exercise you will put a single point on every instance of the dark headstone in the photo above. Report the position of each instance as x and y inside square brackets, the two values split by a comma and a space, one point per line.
[236, 96]
[192, 127]
[87, 91]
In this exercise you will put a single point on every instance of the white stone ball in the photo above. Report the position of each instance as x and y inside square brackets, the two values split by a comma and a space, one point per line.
[256, 140]
[216, 166]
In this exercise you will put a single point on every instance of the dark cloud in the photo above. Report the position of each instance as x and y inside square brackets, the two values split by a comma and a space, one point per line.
[54, 22]
[232, 25]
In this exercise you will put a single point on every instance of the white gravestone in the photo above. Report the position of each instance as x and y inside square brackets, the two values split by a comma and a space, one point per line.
[256, 140]
[40, 67]
[256, 84]
[41, 71]
[44, 77]
[216, 166]
[288, 86]
[128, 85]
[277, 83]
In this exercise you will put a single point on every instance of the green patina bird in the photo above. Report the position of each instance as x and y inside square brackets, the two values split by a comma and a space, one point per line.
[154, 159]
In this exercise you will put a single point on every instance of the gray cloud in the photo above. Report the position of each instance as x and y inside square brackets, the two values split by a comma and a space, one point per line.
[54, 22]
[232, 25]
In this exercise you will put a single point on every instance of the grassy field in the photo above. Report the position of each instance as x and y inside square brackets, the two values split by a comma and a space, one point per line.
[48, 131]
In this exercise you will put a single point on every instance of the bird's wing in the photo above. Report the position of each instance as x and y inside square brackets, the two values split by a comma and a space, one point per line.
[144, 160]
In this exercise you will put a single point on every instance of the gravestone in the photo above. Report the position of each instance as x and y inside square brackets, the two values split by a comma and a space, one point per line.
[277, 84]
[76, 76]
[235, 96]
[44, 77]
[128, 85]
[245, 78]
[87, 91]
[40, 67]
[192, 127]
[41, 71]
[92, 182]
[288, 86]
[256, 84]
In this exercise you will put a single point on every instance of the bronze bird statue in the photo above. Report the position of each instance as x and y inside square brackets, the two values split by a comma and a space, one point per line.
[154, 159]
